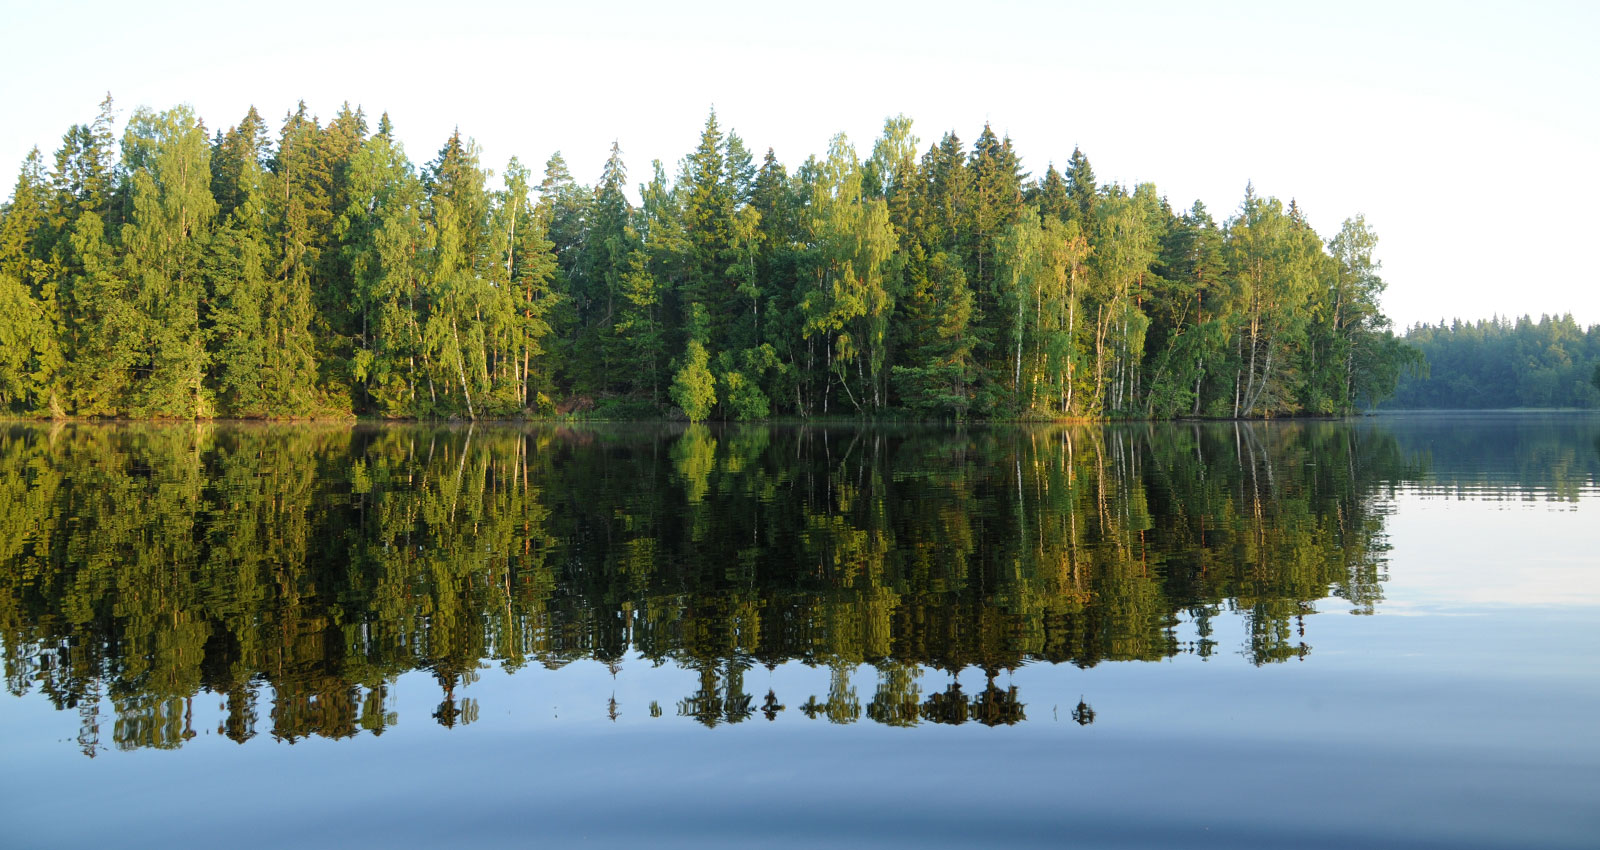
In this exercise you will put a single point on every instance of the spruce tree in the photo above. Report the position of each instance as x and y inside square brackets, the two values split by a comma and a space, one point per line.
[386, 242]
[238, 263]
[1081, 188]
[28, 354]
[23, 222]
[996, 200]
[239, 156]
[777, 267]
[936, 375]
[741, 170]
[533, 276]
[649, 328]
[609, 246]
[1050, 197]
[107, 327]
[301, 210]
[563, 211]
[708, 207]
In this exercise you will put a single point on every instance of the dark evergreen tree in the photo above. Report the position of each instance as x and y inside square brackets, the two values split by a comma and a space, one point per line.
[26, 217]
[238, 267]
[708, 208]
[1081, 188]
[609, 245]
[301, 212]
[237, 161]
[1050, 196]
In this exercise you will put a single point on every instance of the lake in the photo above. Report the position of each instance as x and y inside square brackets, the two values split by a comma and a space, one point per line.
[1379, 632]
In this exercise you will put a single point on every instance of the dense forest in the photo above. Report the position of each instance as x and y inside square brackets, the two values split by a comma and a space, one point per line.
[1502, 363]
[298, 572]
[316, 271]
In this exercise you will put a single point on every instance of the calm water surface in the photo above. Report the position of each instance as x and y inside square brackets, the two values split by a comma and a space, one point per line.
[1374, 633]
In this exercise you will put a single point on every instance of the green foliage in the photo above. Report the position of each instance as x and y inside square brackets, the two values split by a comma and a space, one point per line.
[1501, 363]
[242, 329]
[165, 239]
[694, 389]
[302, 214]
[27, 350]
[742, 397]
[939, 310]
[321, 272]
[847, 304]
[385, 243]
[708, 210]
[625, 409]
[22, 225]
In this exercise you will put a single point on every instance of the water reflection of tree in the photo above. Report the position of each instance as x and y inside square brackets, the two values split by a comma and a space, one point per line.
[721, 697]
[312, 566]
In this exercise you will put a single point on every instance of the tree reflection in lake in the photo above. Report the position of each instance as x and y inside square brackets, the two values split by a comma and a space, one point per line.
[297, 571]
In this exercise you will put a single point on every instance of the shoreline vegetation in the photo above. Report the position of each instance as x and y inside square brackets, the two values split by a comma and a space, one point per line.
[891, 419]
[790, 421]
[314, 271]
[1503, 364]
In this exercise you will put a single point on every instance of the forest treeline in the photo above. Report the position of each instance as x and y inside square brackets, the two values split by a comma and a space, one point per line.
[1501, 363]
[312, 566]
[315, 270]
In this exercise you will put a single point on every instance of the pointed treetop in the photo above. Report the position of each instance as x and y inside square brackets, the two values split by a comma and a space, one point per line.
[987, 143]
[1081, 186]
[1296, 215]
[557, 178]
[1251, 202]
[614, 176]
[740, 167]
[349, 124]
[103, 123]
[709, 153]
[1051, 195]
[614, 163]
[1079, 174]
[944, 158]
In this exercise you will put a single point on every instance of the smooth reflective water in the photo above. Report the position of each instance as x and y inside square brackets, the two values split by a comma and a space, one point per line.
[1125, 635]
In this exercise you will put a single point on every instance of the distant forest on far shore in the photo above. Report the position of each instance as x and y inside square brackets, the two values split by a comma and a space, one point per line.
[1503, 363]
[177, 271]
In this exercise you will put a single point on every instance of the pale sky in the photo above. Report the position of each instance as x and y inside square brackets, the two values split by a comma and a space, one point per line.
[1467, 133]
